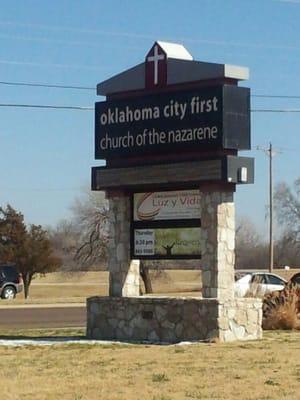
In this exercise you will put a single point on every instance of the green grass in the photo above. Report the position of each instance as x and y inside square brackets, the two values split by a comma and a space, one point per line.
[160, 378]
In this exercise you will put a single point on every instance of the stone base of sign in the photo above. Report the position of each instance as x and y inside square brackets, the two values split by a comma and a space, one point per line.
[124, 272]
[173, 320]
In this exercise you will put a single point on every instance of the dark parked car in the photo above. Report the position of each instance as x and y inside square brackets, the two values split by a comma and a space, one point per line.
[10, 282]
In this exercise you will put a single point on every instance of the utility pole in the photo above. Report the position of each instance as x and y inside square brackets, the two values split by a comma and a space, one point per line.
[270, 153]
[271, 243]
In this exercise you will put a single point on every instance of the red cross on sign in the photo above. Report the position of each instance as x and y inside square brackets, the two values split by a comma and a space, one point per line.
[156, 68]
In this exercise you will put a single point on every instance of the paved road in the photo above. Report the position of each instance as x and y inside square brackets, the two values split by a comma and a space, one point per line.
[43, 317]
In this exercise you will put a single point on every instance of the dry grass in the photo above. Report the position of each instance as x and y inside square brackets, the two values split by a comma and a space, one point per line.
[60, 291]
[64, 288]
[90, 277]
[76, 287]
[264, 370]
[282, 317]
[167, 280]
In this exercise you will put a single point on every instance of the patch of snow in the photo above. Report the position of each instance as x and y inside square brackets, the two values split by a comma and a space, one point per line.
[61, 341]
[56, 341]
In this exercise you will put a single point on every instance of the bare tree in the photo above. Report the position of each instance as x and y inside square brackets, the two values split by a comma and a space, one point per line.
[82, 240]
[287, 250]
[287, 205]
[65, 238]
[145, 275]
[91, 219]
[251, 251]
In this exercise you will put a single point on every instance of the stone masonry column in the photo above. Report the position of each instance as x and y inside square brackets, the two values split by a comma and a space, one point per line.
[123, 272]
[218, 232]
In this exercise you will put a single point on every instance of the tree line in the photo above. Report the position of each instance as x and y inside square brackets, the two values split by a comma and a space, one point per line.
[252, 246]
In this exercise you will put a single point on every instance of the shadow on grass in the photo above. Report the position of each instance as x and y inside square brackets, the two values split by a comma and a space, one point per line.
[43, 338]
[37, 335]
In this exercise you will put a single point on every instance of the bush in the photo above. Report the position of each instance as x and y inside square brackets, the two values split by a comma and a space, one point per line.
[281, 309]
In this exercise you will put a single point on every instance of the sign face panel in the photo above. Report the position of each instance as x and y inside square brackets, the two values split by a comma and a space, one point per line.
[169, 205]
[166, 225]
[208, 118]
[167, 242]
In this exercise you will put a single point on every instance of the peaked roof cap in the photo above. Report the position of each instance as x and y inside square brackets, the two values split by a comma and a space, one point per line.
[175, 50]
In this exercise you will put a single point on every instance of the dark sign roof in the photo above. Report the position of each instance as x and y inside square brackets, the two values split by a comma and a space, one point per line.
[168, 64]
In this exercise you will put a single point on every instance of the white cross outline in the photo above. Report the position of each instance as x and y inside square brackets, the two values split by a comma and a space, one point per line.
[156, 58]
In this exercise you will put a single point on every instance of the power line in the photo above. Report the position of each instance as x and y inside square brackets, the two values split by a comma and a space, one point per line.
[77, 87]
[86, 108]
[287, 149]
[278, 110]
[47, 85]
[28, 189]
[149, 36]
[272, 96]
[278, 150]
[47, 106]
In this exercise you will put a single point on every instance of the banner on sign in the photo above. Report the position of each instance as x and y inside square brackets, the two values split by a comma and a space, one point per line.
[168, 205]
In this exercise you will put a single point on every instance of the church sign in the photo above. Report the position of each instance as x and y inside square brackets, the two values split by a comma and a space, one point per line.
[216, 117]
[169, 126]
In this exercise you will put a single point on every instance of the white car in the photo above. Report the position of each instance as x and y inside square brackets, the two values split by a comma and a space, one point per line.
[257, 283]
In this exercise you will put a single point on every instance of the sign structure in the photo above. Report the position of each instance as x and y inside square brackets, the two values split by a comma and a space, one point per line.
[172, 205]
[166, 225]
[211, 118]
[171, 106]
